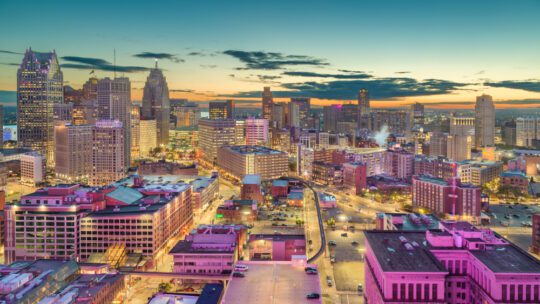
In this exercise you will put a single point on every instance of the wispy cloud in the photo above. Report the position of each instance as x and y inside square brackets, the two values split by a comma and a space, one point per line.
[272, 60]
[89, 63]
[152, 55]
[403, 72]
[354, 75]
[10, 52]
[532, 85]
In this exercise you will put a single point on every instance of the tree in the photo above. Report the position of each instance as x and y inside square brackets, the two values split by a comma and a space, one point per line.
[492, 187]
[331, 221]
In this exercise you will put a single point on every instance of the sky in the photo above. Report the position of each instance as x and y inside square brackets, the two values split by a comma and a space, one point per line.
[442, 53]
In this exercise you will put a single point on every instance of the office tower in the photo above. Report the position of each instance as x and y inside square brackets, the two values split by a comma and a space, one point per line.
[293, 118]
[331, 117]
[256, 131]
[241, 160]
[187, 114]
[462, 125]
[72, 95]
[147, 139]
[32, 168]
[278, 116]
[349, 113]
[221, 109]
[304, 105]
[397, 122]
[39, 88]
[90, 88]
[1, 125]
[240, 132]
[438, 143]
[527, 131]
[323, 140]
[484, 124]
[63, 112]
[363, 109]
[214, 134]
[85, 112]
[156, 104]
[509, 133]
[108, 152]
[136, 129]
[73, 152]
[459, 147]
[417, 115]
[114, 103]
[267, 103]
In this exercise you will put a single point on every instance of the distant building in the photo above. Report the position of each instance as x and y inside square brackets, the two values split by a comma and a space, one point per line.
[32, 168]
[39, 88]
[459, 147]
[214, 134]
[221, 109]
[397, 122]
[135, 125]
[438, 144]
[304, 106]
[187, 115]
[238, 161]
[363, 109]
[484, 123]
[417, 110]
[267, 103]
[156, 104]
[509, 133]
[147, 136]
[108, 164]
[527, 130]
[256, 131]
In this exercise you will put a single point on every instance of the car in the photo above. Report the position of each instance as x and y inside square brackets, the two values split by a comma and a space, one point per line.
[309, 268]
[240, 267]
[332, 243]
[354, 243]
[344, 234]
[515, 215]
[360, 288]
[332, 259]
[238, 274]
[312, 271]
[313, 295]
[329, 282]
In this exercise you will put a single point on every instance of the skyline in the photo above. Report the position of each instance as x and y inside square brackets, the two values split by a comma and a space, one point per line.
[317, 51]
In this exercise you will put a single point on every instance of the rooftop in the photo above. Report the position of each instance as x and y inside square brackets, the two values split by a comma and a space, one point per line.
[257, 150]
[272, 282]
[507, 259]
[280, 183]
[513, 174]
[412, 222]
[393, 256]
[125, 194]
[251, 179]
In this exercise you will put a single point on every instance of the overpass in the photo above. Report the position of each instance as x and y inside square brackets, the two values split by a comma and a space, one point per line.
[173, 275]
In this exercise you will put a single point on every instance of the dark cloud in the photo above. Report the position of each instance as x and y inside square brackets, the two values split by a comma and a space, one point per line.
[520, 102]
[196, 54]
[268, 77]
[202, 53]
[403, 72]
[355, 75]
[352, 71]
[181, 90]
[532, 85]
[88, 63]
[10, 52]
[272, 60]
[9, 63]
[152, 55]
[380, 88]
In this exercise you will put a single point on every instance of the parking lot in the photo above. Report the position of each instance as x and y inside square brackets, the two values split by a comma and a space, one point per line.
[512, 215]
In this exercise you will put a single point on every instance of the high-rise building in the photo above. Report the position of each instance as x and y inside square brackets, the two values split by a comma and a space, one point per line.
[399, 163]
[363, 108]
[458, 147]
[461, 126]
[331, 117]
[241, 160]
[438, 144]
[187, 114]
[267, 103]
[293, 115]
[90, 88]
[349, 113]
[32, 168]
[484, 124]
[156, 104]
[221, 109]
[114, 103]
[1, 125]
[39, 88]
[278, 116]
[108, 164]
[397, 122]
[63, 112]
[256, 131]
[73, 152]
[213, 134]
[509, 132]
[304, 106]
[147, 137]
[85, 112]
[240, 131]
[136, 129]
[417, 115]
[527, 130]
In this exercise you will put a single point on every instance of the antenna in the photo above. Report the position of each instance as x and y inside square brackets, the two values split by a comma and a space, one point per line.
[114, 63]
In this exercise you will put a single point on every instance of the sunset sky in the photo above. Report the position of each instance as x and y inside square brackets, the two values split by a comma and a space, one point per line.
[402, 51]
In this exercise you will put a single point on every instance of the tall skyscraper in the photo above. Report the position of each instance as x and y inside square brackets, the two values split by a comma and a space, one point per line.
[417, 115]
[156, 104]
[214, 134]
[278, 115]
[293, 118]
[73, 152]
[267, 103]
[114, 103]
[484, 124]
[136, 129]
[1, 125]
[304, 105]
[221, 109]
[108, 164]
[331, 117]
[363, 108]
[39, 88]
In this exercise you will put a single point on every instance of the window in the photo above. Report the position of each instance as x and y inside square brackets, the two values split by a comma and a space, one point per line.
[394, 291]
[402, 291]
[434, 291]
[426, 291]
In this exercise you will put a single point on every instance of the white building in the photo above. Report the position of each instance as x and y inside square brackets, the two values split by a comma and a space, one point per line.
[147, 136]
[32, 168]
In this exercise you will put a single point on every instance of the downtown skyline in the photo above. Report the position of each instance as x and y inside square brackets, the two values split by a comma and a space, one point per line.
[320, 51]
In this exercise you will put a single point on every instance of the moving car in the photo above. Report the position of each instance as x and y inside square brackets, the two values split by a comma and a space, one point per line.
[313, 295]
[332, 243]
[360, 288]
[329, 281]
[240, 267]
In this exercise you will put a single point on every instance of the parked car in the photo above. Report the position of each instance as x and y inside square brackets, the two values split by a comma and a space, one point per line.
[238, 274]
[240, 267]
[360, 289]
[332, 243]
[344, 234]
[312, 271]
[313, 295]
[354, 243]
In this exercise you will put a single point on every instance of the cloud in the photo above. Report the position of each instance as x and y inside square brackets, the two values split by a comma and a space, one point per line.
[88, 63]
[267, 77]
[9, 63]
[202, 53]
[380, 88]
[208, 66]
[519, 102]
[271, 60]
[10, 52]
[355, 75]
[181, 90]
[403, 72]
[151, 55]
[532, 85]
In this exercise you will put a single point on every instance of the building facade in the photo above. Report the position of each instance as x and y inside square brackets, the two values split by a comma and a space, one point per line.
[238, 161]
[156, 104]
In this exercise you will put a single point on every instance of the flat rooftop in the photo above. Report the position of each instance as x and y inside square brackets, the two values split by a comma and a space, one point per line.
[251, 179]
[507, 259]
[393, 256]
[258, 150]
[272, 282]
[410, 223]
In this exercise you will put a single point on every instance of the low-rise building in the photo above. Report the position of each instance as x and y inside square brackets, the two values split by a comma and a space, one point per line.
[406, 221]
[237, 211]
[296, 198]
[354, 177]
[163, 167]
[32, 168]
[276, 247]
[327, 201]
[205, 190]
[515, 180]
[280, 188]
[251, 188]
[239, 161]
[326, 174]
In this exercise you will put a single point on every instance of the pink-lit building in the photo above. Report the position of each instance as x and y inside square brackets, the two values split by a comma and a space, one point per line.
[276, 247]
[515, 180]
[399, 163]
[327, 201]
[209, 250]
[46, 223]
[354, 177]
[256, 131]
[457, 263]
[444, 197]
[535, 246]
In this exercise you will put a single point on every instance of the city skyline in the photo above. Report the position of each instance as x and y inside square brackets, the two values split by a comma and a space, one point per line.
[327, 55]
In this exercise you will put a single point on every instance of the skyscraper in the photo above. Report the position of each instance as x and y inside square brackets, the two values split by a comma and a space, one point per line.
[363, 108]
[221, 109]
[293, 118]
[484, 124]
[114, 103]
[417, 115]
[256, 131]
[156, 104]
[304, 105]
[278, 115]
[136, 129]
[39, 88]
[73, 152]
[267, 103]
[1, 125]
[108, 152]
[214, 134]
